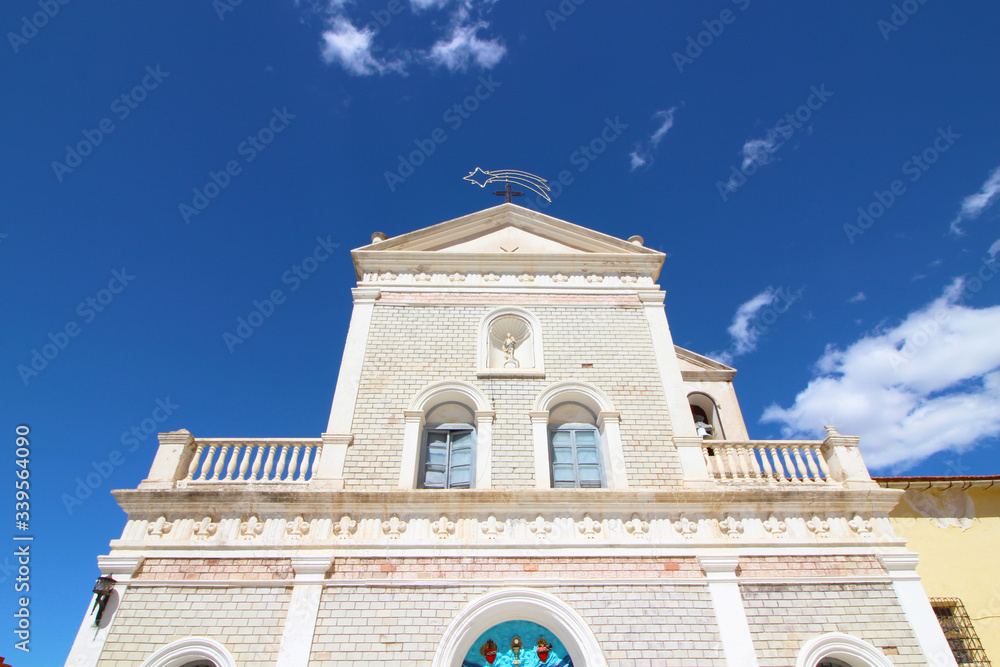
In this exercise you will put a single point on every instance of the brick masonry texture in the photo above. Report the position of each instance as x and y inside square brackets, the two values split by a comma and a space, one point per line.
[814, 566]
[248, 621]
[410, 346]
[636, 626]
[784, 617]
[217, 569]
[522, 568]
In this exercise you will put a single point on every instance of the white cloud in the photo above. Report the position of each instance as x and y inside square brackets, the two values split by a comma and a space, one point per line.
[975, 204]
[745, 330]
[759, 150]
[667, 118]
[420, 5]
[928, 385]
[860, 296]
[642, 154]
[994, 249]
[355, 50]
[463, 47]
[637, 159]
[352, 49]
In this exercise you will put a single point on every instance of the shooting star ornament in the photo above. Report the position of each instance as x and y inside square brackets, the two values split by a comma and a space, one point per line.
[536, 184]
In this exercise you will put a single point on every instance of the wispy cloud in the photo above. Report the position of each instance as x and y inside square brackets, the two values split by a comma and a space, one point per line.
[642, 153]
[748, 325]
[351, 48]
[928, 385]
[974, 205]
[463, 47]
[857, 298]
[994, 249]
[460, 47]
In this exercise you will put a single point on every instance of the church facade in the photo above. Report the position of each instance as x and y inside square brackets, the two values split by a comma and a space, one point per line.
[520, 468]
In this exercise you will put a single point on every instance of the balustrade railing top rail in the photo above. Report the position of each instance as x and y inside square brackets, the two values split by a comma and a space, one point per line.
[768, 461]
[264, 461]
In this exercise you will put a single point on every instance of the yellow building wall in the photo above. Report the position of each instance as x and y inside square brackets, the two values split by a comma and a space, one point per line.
[956, 562]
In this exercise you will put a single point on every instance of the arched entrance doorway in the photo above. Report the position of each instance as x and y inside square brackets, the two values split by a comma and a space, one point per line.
[544, 612]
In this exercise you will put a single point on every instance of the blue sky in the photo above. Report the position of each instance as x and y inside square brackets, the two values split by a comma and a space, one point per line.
[822, 176]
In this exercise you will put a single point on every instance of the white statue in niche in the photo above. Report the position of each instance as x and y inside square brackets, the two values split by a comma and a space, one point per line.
[510, 343]
[508, 351]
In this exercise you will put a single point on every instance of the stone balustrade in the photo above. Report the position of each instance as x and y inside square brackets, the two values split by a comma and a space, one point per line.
[771, 461]
[278, 460]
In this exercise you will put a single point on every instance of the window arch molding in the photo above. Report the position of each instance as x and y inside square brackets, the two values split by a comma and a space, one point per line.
[608, 424]
[428, 398]
[191, 649]
[517, 604]
[843, 647]
[484, 346]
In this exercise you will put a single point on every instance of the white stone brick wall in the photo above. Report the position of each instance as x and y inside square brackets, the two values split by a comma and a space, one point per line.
[247, 621]
[782, 618]
[636, 626]
[412, 346]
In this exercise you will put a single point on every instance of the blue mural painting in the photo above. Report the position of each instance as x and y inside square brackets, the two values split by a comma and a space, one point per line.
[529, 633]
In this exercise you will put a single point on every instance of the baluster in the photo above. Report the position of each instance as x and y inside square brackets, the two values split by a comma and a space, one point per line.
[206, 466]
[233, 461]
[789, 466]
[194, 461]
[823, 465]
[709, 463]
[245, 461]
[279, 467]
[809, 455]
[293, 474]
[269, 463]
[220, 464]
[765, 464]
[732, 463]
[315, 462]
[802, 473]
[256, 463]
[741, 456]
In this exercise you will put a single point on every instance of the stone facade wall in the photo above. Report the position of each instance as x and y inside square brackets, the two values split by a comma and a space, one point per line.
[248, 621]
[673, 626]
[783, 617]
[410, 346]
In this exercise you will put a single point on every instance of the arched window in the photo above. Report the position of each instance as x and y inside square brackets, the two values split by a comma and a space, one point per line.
[510, 342]
[574, 447]
[706, 416]
[447, 438]
[519, 604]
[448, 454]
[577, 438]
[191, 652]
[836, 649]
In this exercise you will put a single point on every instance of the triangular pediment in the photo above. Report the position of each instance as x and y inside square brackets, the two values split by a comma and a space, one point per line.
[503, 238]
[510, 226]
[696, 366]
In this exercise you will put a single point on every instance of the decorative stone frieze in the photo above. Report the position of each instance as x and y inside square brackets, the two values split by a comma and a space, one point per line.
[251, 528]
[588, 527]
[205, 528]
[860, 526]
[775, 527]
[731, 526]
[492, 528]
[819, 527]
[636, 526]
[345, 527]
[297, 528]
[160, 527]
[686, 527]
[394, 527]
[540, 527]
[443, 527]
